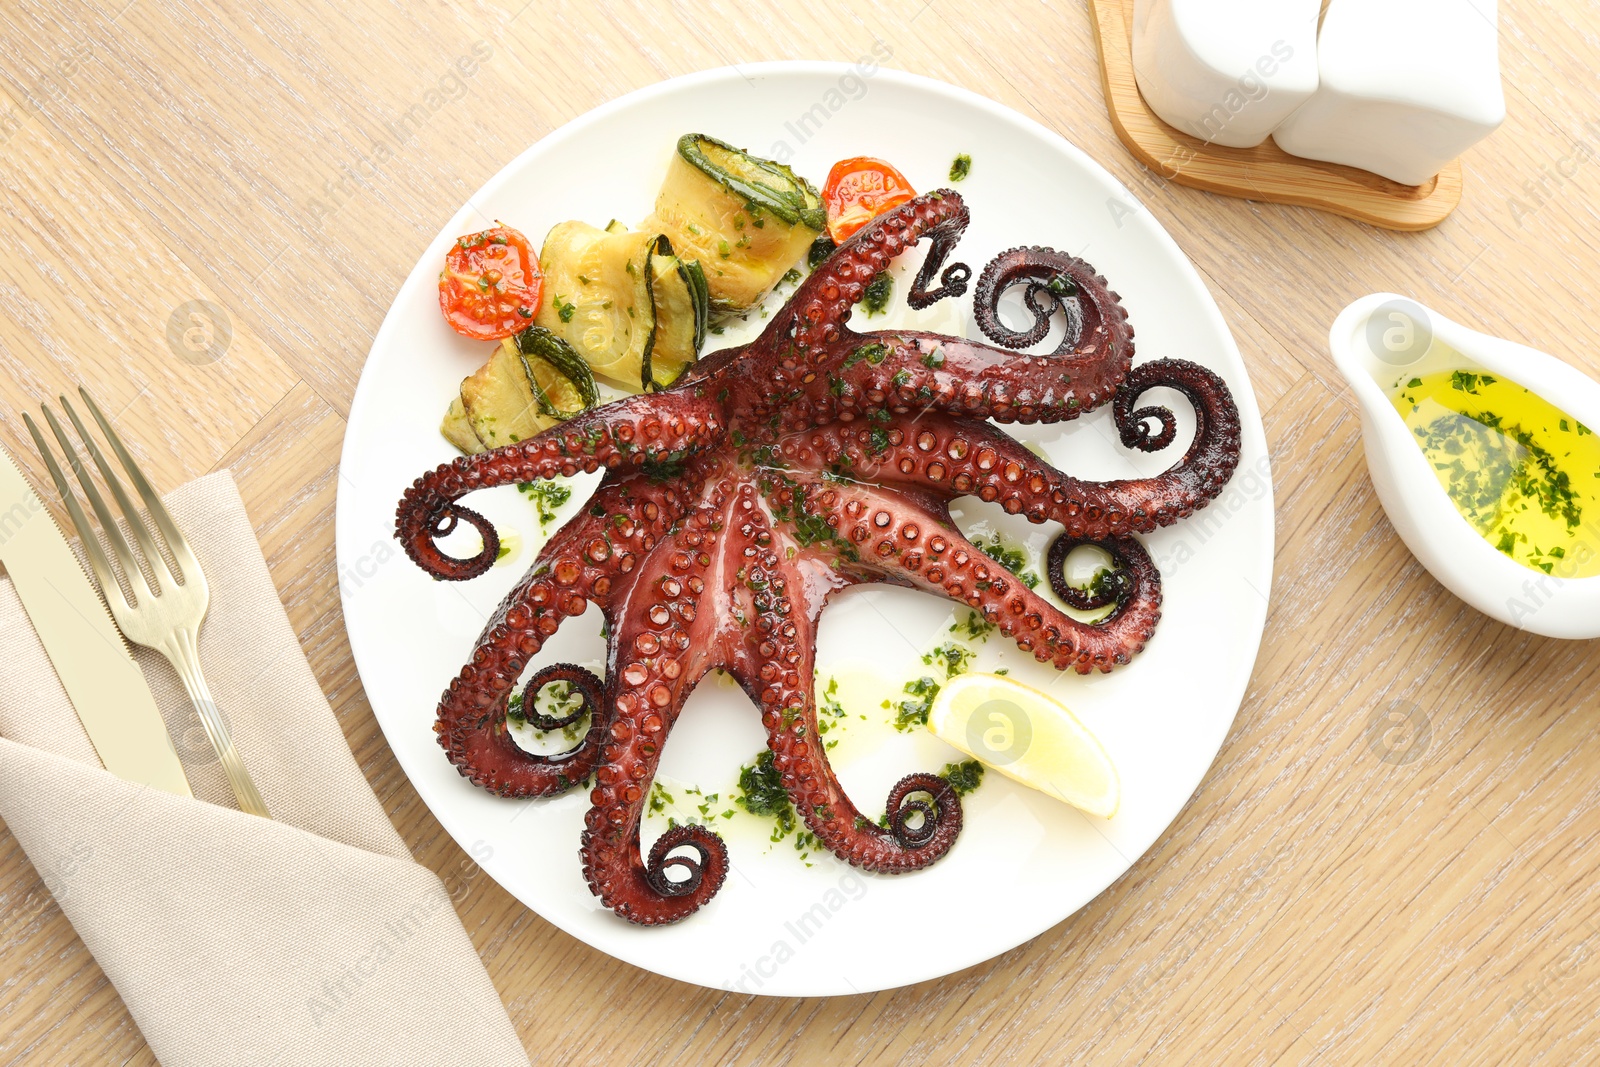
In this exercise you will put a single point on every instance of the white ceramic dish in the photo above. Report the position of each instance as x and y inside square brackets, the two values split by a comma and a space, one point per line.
[1024, 862]
[1374, 341]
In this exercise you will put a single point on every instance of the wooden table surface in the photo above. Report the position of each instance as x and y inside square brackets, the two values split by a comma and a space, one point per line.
[1394, 857]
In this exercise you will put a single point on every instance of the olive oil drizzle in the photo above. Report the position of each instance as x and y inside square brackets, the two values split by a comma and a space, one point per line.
[1525, 475]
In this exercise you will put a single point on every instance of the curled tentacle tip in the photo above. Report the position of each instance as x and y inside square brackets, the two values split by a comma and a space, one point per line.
[703, 875]
[1110, 587]
[584, 681]
[419, 536]
[917, 836]
[1054, 281]
[953, 283]
[1136, 433]
[940, 813]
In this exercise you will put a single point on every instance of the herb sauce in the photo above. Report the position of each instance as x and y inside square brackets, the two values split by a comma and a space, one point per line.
[1524, 473]
[875, 300]
[761, 791]
[820, 250]
[1012, 559]
[963, 777]
[546, 497]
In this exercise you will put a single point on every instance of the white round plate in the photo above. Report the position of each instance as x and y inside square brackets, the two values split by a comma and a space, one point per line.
[784, 924]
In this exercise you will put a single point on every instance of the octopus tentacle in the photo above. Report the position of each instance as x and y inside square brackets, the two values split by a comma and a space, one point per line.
[580, 565]
[942, 241]
[920, 545]
[639, 889]
[779, 674]
[908, 370]
[816, 793]
[805, 333]
[940, 814]
[965, 457]
[635, 431]
[1097, 324]
[1208, 463]
[655, 662]
[918, 372]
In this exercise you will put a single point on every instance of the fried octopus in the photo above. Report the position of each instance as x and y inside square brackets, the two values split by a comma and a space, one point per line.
[774, 474]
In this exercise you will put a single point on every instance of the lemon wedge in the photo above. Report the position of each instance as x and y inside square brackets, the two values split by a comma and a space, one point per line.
[1028, 736]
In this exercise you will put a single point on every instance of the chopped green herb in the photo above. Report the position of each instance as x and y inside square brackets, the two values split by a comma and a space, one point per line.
[963, 777]
[914, 712]
[659, 799]
[951, 656]
[1010, 558]
[874, 353]
[547, 497]
[660, 469]
[820, 250]
[1061, 285]
[977, 628]
[761, 793]
[875, 299]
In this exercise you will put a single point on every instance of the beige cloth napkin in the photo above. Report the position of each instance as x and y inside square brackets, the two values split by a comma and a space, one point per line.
[311, 939]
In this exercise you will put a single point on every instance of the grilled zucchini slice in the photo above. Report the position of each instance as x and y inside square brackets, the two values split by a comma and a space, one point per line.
[600, 302]
[633, 310]
[682, 315]
[457, 428]
[533, 381]
[746, 220]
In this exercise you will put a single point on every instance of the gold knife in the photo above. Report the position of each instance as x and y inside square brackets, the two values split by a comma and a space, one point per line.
[106, 687]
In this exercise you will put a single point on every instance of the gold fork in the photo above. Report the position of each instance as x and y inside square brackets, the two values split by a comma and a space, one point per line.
[166, 618]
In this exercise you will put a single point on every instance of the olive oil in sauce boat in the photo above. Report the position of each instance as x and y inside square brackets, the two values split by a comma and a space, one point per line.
[1482, 453]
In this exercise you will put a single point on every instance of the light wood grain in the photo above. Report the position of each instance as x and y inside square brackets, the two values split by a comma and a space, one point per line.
[1314, 903]
[1265, 172]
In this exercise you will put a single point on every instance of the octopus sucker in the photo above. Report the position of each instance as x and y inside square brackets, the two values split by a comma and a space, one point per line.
[735, 502]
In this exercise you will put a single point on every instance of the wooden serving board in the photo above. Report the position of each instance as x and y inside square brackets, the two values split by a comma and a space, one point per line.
[1265, 172]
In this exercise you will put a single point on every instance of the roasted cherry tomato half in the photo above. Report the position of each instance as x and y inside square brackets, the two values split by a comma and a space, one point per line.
[858, 191]
[491, 284]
